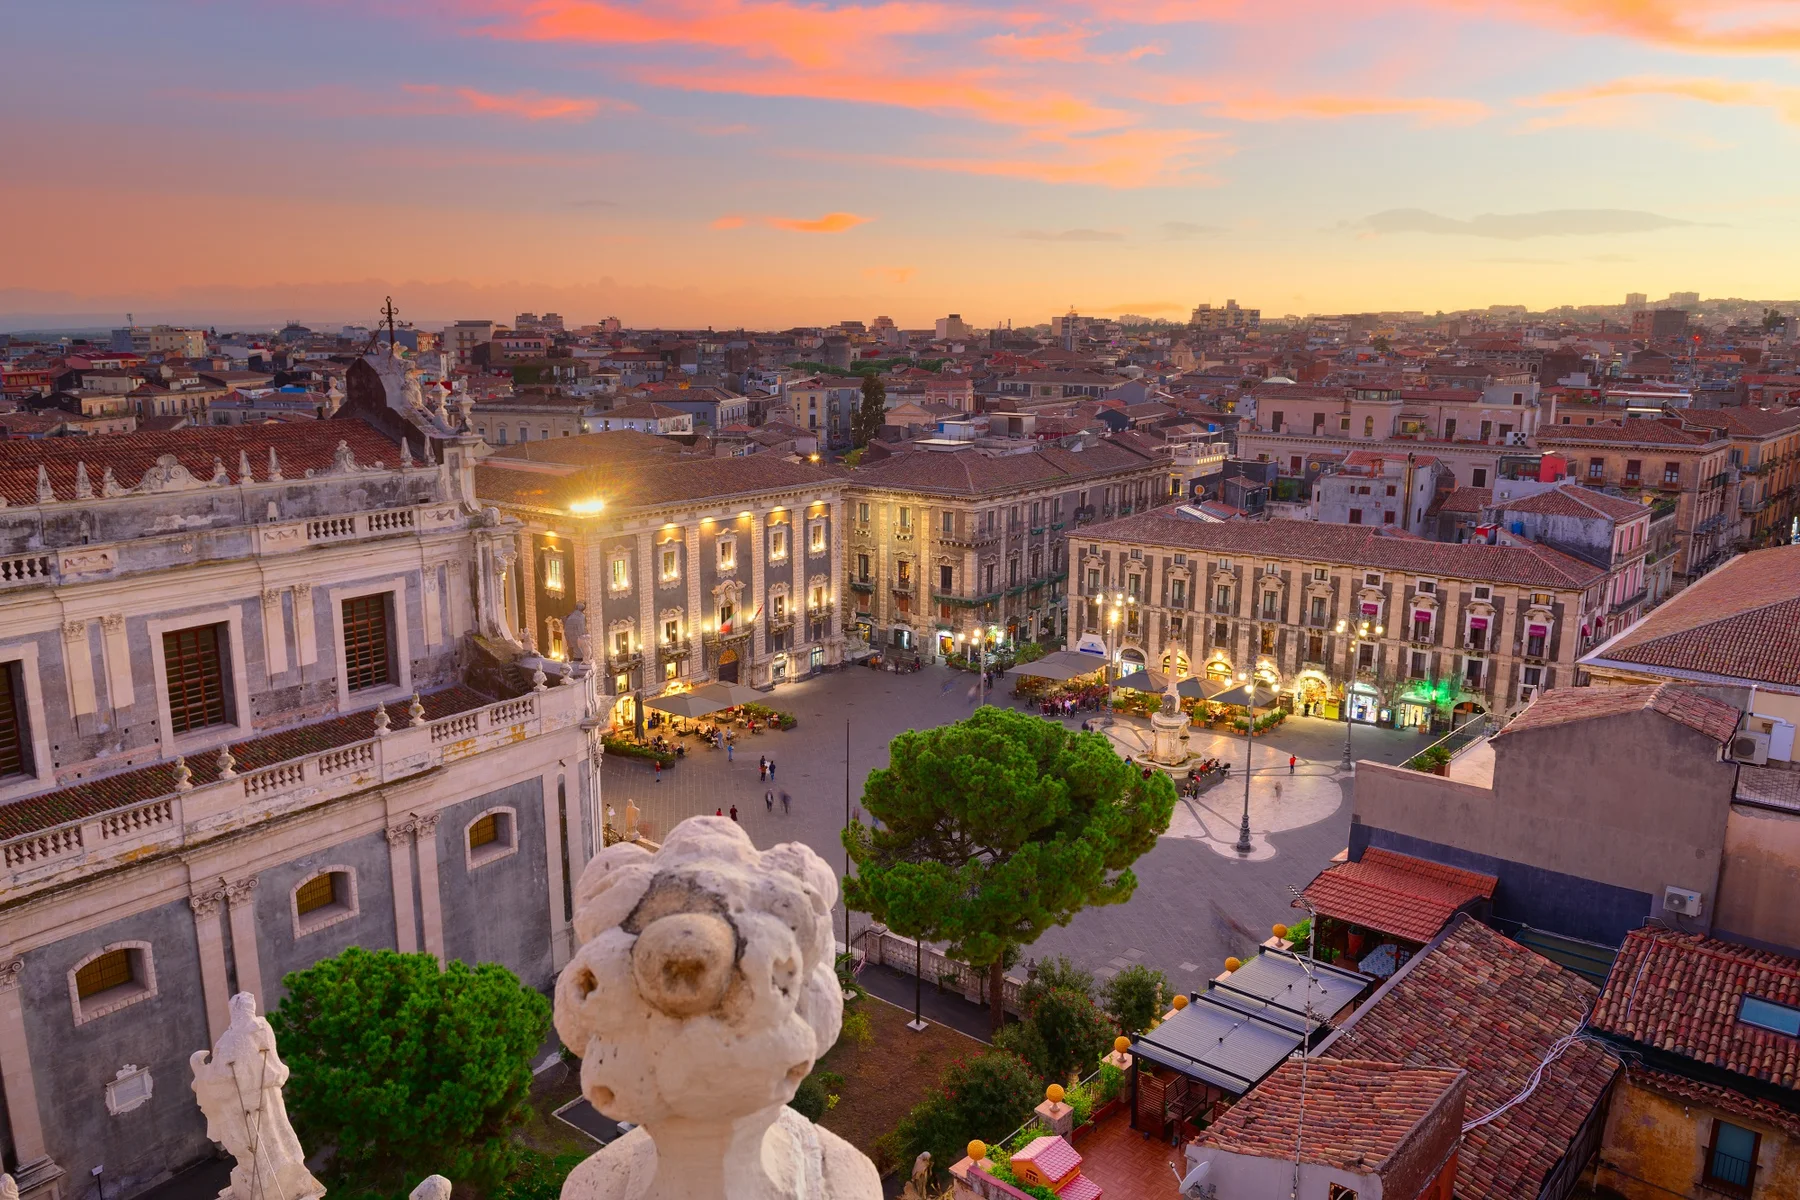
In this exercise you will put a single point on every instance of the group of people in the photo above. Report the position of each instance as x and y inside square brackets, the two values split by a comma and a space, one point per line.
[1069, 701]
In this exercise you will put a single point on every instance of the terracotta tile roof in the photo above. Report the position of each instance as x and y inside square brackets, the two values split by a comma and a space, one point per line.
[1471, 500]
[1562, 706]
[1633, 430]
[301, 446]
[1729, 1101]
[1359, 1114]
[1769, 786]
[1680, 992]
[1573, 500]
[972, 473]
[1745, 422]
[1394, 893]
[592, 449]
[1530, 565]
[1482, 1002]
[1741, 622]
[92, 797]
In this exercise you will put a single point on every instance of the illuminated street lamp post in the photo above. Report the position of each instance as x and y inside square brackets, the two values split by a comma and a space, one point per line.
[1112, 643]
[1243, 842]
[1349, 716]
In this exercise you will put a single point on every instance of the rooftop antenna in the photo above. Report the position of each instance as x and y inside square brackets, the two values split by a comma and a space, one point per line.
[388, 312]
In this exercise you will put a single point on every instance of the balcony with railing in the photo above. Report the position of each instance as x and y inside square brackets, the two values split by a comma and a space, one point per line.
[172, 806]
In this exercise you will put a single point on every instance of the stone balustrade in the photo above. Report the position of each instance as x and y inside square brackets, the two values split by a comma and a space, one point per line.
[107, 560]
[882, 946]
[44, 857]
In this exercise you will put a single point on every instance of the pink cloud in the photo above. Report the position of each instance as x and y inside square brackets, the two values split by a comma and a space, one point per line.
[1239, 105]
[898, 275]
[531, 105]
[729, 221]
[1608, 103]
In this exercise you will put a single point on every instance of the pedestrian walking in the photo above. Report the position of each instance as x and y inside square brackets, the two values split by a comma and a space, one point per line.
[771, 769]
[734, 812]
[769, 801]
[784, 803]
[718, 812]
[762, 766]
[729, 747]
[1278, 791]
[1291, 761]
[658, 765]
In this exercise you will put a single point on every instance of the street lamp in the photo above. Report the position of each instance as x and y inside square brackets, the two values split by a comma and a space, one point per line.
[1243, 842]
[1112, 637]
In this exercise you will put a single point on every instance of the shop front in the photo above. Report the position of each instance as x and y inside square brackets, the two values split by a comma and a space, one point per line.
[1311, 693]
[1364, 704]
[1415, 709]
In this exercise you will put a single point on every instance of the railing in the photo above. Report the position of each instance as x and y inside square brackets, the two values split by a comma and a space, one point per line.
[42, 857]
[25, 568]
[1630, 601]
[884, 947]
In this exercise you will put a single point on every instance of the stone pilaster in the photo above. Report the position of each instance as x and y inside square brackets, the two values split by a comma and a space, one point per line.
[119, 688]
[241, 898]
[274, 628]
[306, 634]
[399, 840]
[431, 903]
[36, 1175]
[696, 611]
[759, 590]
[78, 667]
[208, 933]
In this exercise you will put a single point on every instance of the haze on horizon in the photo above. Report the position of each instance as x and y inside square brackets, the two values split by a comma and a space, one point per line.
[773, 162]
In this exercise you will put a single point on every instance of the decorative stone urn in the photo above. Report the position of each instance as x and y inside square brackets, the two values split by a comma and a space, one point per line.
[703, 992]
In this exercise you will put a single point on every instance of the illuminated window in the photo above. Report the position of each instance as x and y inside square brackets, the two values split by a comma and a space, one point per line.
[492, 835]
[818, 537]
[671, 630]
[671, 563]
[621, 573]
[553, 573]
[727, 554]
[778, 542]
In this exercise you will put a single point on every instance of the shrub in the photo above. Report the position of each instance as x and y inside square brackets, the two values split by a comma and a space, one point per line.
[634, 750]
[1073, 1031]
[1134, 997]
[810, 1097]
[1081, 1099]
[538, 1176]
[857, 1029]
[1054, 973]
[985, 1097]
[1110, 1083]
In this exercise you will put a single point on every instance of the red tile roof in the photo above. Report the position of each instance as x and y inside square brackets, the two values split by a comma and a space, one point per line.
[1562, 706]
[1359, 1114]
[92, 797]
[1632, 430]
[1467, 500]
[1482, 1002]
[1680, 992]
[1532, 565]
[1394, 893]
[299, 447]
[1741, 622]
[1573, 500]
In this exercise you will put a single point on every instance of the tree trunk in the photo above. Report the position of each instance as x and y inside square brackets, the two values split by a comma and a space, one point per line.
[997, 994]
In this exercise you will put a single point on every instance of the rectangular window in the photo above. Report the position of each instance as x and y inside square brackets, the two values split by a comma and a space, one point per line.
[1178, 593]
[905, 517]
[1479, 476]
[194, 664]
[553, 573]
[621, 574]
[818, 537]
[1318, 610]
[1356, 516]
[1365, 657]
[1450, 429]
[1731, 1159]
[671, 563]
[1671, 473]
[1224, 598]
[1271, 606]
[862, 513]
[485, 831]
[671, 630]
[1134, 586]
[1766, 1014]
[1596, 468]
[1093, 579]
[1419, 668]
[1472, 672]
[727, 554]
[1387, 518]
[778, 542]
[862, 568]
[1428, 586]
[368, 649]
[15, 745]
[949, 523]
[946, 578]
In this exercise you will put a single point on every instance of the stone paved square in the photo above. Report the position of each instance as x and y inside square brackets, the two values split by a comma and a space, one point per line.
[1196, 901]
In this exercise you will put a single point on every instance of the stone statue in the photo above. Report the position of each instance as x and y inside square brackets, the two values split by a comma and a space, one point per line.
[238, 1086]
[703, 992]
[918, 1187]
[575, 632]
[1171, 701]
[9, 1188]
[432, 1187]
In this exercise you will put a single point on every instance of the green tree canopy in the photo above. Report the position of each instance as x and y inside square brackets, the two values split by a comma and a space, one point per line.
[871, 412]
[995, 828]
[409, 1069]
[1063, 1035]
[986, 1097]
[1137, 996]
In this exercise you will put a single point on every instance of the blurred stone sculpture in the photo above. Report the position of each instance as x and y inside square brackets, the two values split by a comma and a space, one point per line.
[9, 1188]
[238, 1085]
[702, 994]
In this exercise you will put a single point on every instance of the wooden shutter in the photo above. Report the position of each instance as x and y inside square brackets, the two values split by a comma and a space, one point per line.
[196, 677]
[15, 757]
[367, 659]
[110, 970]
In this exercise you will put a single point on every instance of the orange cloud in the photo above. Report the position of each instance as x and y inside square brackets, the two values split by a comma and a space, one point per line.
[1237, 105]
[805, 35]
[891, 274]
[1599, 104]
[532, 106]
[1067, 46]
[1128, 158]
[1717, 26]
[728, 222]
[836, 222]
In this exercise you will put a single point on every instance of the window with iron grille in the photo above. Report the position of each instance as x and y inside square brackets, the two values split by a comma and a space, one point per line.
[485, 831]
[110, 970]
[15, 746]
[194, 666]
[368, 649]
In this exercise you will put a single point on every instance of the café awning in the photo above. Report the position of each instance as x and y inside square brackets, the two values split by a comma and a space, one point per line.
[1059, 665]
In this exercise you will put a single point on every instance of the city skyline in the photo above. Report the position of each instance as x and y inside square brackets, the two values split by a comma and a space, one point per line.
[739, 162]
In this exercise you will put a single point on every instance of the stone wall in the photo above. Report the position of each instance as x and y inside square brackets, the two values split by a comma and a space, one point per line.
[499, 911]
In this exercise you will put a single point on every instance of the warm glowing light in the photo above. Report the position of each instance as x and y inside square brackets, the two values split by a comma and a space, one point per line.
[1340, 627]
[582, 508]
[744, 516]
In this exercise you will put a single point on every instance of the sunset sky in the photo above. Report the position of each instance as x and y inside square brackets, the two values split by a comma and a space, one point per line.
[762, 162]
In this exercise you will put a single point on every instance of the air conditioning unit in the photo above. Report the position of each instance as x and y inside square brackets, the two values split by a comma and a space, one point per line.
[1751, 747]
[1681, 901]
[1515, 439]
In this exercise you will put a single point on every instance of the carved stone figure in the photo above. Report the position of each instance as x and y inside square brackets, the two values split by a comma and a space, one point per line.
[575, 632]
[701, 996]
[9, 1188]
[238, 1086]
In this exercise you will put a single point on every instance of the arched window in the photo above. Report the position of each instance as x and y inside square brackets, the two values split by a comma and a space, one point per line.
[491, 836]
[117, 975]
[323, 900]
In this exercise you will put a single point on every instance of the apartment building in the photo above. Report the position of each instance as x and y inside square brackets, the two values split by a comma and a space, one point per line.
[943, 542]
[1651, 460]
[823, 405]
[460, 340]
[1765, 453]
[687, 569]
[1372, 488]
[237, 735]
[1382, 629]
[1465, 429]
[531, 417]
